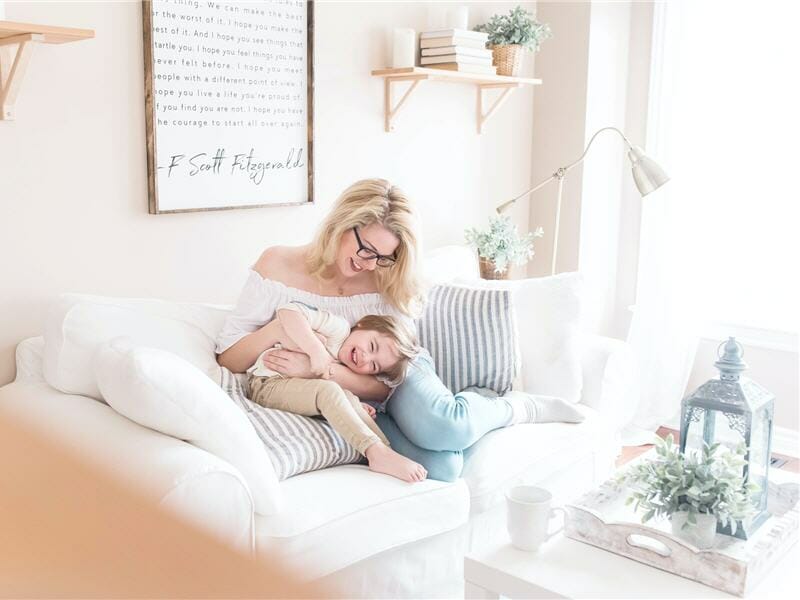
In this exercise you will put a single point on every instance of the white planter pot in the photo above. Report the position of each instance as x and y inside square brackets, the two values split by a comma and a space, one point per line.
[700, 535]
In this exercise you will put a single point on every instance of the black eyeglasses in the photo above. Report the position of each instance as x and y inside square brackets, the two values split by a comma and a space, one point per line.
[369, 254]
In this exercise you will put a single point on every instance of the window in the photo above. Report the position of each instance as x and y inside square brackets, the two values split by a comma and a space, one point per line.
[724, 116]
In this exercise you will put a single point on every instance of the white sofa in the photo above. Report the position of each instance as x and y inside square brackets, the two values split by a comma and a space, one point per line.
[371, 535]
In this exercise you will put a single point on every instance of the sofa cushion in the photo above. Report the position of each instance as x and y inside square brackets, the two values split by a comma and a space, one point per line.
[471, 336]
[498, 459]
[162, 391]
[547, 312]
[339, 516]
[295, 444]
[78, 324]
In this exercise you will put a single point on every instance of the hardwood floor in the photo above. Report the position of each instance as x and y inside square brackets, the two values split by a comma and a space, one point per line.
[630, 452]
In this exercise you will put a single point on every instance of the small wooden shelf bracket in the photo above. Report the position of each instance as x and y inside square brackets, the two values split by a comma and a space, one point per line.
[483, 117]
[15, 54]
[390, 112]
[16, 46]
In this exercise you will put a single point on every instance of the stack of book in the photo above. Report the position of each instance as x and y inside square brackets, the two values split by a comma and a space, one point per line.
[456, 50]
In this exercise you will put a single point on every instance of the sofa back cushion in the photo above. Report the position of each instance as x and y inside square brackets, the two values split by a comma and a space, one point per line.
[77, 325]
[472, 337]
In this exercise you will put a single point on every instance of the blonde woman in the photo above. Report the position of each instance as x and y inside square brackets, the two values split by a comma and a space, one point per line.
[363, 261]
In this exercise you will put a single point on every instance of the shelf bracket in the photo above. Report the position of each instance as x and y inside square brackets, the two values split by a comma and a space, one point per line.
[389, 111]
[483, 117]
[13, 65]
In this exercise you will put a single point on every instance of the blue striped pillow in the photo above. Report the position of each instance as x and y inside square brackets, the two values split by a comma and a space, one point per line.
[295, 444]
[471, 336]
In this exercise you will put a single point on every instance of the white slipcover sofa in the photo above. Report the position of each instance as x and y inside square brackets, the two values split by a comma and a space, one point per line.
[360, 534]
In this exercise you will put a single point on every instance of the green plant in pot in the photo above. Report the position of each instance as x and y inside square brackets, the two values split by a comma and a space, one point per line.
[510, 36]
[500, 246]
[695, 491]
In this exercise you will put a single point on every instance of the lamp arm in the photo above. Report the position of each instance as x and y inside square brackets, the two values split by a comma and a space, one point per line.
[589, 145]
[559, 174]
[505, 205]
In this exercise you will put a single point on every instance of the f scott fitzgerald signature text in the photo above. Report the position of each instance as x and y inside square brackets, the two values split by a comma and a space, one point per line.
[223, 163]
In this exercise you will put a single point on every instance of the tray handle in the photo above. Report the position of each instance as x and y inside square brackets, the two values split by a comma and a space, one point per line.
[649, 543]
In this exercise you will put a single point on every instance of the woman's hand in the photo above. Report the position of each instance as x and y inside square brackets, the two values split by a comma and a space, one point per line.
[290, 364]
[321, 365]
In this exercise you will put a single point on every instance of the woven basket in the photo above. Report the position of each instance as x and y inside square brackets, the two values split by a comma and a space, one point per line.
[488, 272]
[508, 59]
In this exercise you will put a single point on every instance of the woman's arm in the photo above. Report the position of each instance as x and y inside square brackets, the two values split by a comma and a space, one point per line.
[298, 330]
[297, 364]
[241, 356]
[366, 387]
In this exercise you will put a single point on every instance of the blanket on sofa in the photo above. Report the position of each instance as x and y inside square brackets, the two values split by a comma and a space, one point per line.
[295, 444]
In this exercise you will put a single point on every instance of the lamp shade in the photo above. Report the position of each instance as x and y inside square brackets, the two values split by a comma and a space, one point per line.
[647, 173]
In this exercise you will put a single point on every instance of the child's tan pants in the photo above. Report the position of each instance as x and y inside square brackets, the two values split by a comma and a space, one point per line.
[311, 397]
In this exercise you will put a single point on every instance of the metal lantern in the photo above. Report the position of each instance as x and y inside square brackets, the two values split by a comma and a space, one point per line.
[733, 410]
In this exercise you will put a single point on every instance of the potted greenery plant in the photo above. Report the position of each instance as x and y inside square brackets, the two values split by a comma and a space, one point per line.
[500, 246]
[695, 491]
[510, 35]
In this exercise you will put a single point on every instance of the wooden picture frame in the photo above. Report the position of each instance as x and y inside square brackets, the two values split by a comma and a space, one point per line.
[202, 174]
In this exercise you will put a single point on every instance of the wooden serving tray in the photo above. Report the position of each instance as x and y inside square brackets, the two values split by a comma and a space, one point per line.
[600, 518]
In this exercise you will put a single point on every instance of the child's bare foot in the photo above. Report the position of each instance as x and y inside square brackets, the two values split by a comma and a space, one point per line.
[383, 459]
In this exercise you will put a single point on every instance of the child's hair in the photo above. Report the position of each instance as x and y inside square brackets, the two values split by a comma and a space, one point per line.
[401, 334]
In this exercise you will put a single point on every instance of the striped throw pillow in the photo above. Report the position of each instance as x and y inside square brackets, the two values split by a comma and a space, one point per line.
[471, 336]
[295, 444]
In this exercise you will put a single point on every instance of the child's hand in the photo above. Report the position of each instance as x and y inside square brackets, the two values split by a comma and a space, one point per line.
[369, 408]
[321, 364]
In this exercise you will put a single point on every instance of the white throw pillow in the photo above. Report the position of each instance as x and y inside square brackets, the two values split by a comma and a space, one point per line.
[547, 311]
[78, 324]
[162, 391]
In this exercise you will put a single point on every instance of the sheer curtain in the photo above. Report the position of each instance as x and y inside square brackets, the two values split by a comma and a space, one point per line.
[719, 241]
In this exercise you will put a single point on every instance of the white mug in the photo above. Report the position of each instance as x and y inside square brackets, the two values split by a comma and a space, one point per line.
[529, 516]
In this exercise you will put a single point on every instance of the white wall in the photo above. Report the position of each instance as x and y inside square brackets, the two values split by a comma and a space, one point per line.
[73, 195]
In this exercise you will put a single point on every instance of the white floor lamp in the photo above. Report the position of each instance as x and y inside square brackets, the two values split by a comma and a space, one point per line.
[647, 175]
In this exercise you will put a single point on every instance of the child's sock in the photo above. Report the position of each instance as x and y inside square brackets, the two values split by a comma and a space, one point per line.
[530, 408]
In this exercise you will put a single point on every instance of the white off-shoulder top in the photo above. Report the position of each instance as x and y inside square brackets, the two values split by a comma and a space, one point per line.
[260, 298]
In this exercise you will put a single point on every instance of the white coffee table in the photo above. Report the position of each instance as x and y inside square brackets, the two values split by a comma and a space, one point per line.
[565, 568]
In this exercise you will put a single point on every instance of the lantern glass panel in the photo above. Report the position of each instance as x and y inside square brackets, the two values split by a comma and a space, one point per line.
[759, 455]
[714, 426]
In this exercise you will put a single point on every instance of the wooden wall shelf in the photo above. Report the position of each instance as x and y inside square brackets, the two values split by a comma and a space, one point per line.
[16, 45]
[482, 83]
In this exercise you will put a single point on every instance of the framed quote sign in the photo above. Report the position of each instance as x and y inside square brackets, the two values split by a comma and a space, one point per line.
[229, 104]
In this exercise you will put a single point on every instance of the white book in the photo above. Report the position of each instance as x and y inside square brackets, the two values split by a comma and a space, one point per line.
[457, 50]
[454, 58]
[442, 42]
[478, 35]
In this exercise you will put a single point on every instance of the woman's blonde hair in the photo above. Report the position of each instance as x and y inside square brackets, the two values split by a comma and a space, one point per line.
[366, 202]
[403, 337]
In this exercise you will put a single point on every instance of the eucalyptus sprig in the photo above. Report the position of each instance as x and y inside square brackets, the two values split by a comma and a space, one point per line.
[708, 482]
[517, 27]
[502, 244]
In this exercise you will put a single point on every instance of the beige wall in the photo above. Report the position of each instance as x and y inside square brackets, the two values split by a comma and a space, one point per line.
[559, 130]
[73, 197]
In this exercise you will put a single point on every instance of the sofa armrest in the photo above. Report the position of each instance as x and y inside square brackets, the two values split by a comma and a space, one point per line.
[609, 378]
[188, 481]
